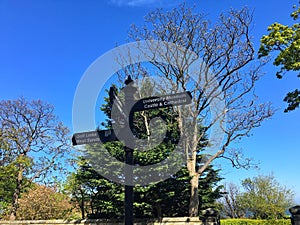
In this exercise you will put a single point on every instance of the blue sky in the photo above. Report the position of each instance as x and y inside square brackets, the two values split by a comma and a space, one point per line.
[45, 47]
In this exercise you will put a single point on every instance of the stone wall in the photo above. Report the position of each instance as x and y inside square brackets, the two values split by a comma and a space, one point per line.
[164, 221]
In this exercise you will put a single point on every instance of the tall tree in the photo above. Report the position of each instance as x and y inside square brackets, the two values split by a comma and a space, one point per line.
[284, 39]
[36, 142]
[227, 73]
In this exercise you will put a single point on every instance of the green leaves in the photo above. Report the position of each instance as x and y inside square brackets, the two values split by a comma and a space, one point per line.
[97, 196]
[296, 13]
[104, 199]
[285, 40]
[265, 198]
[255, 222]
[262, 197]
[293, 100]
[7, 186]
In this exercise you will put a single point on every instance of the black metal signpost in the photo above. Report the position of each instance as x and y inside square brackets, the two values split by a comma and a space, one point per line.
[129, 92]
[130, 106]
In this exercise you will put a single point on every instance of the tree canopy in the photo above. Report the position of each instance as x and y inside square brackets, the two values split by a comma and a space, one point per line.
[262, 197]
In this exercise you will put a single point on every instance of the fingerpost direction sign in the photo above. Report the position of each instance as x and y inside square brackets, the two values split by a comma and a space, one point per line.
[93, 137]
[183, 98]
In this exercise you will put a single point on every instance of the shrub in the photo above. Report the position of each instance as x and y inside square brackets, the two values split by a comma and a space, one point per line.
[44, 203]
[255, 222]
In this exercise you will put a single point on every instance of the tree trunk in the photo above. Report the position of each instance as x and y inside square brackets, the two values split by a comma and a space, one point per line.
[194, 199]
[16, 194]
[82, 204]
[158, 211]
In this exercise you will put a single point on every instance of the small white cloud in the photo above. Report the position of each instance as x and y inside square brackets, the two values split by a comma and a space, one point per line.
[117, 2]
[141, 2]
[138, 3]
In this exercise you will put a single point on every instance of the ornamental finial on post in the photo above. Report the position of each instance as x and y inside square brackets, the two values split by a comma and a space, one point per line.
[128, 80]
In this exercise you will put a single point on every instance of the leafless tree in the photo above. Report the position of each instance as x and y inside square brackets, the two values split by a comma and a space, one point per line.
[36, 142]
[231, 206]
[222, 82]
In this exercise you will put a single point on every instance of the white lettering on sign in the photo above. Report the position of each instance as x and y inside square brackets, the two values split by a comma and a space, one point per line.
[107, 133]
[162, 101]
[149, 106]
[80, 136]
[93, 140]
[92, 137]
[165, 101]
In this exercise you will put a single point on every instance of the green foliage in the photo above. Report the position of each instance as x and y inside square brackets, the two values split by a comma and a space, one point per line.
[101, 198]
[8, 173]
[255, 222]
[171, 197]
[96, 196]
[262, 198]
[265, 198]
[293, 100]
[209, 188]
[284, 39]
[167, 198]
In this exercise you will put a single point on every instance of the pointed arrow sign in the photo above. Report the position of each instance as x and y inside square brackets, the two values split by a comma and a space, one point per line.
[93, 137]
[163, 101]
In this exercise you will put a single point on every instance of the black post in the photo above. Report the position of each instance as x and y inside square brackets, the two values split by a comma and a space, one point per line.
[129, 100]
[128, 188]
[295, 215]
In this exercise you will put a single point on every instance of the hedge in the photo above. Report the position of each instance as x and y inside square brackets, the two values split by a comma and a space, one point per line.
[255, 222]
